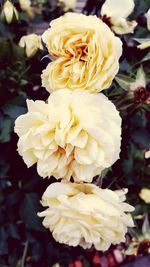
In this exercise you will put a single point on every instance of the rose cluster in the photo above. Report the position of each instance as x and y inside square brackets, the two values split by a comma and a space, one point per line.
[76, 134]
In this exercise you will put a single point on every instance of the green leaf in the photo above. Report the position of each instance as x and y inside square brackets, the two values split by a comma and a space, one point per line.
[128, 165]
[23, 82]
[141, 138]
[3, 241]
[146, 58]
[28, 212]
[13, 111]
[13, 230]
[4, 167]
[6, 130]
[141, 40]
[20, 100]
[13, 198]
[124, 81]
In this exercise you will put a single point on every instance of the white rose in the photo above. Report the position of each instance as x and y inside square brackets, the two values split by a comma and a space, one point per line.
[26, 6]
[148, 19]
[118, 8]
[147, 154]
[145, 42]
[31, 43]
[86, 215]
[75, 134]
[86, 53]
[145, 195]
[118, 11]
[9, 11]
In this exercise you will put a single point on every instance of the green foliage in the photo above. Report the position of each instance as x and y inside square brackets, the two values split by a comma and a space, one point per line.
[23, 239]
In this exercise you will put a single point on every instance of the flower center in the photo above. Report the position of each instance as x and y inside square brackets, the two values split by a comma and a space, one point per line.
[77, 49]
[82, 51]
[61, 150]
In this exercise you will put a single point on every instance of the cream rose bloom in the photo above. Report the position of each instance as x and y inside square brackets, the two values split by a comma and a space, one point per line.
[145, 195]
[118, 11]
[9, 11]
[26, 7]
[145, 42]
[86, 215]
[75, 134]
[118, 8]
[31, 43]
[147, 154]
[148, 19]
[85, 53]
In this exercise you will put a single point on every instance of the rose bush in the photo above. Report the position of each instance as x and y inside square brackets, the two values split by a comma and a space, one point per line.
[23, 239]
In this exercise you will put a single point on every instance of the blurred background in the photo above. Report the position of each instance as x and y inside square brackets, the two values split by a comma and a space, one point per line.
[24, 242]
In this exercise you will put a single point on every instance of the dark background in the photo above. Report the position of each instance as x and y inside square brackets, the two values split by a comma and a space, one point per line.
[23, 240]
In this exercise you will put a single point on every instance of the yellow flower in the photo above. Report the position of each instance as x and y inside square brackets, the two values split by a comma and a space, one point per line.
[145, 42]
[148, 19]
[118, 11]
[117, 8]
[86, 215]
[26, 6]
[147, 154]
[75, 134]
[31, 43]
[145, 195]
[9, 11]
[85, 53]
